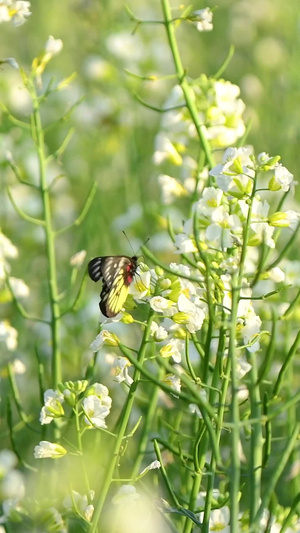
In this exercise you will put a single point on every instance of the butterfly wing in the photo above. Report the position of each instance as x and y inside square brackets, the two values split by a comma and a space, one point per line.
[117, 273]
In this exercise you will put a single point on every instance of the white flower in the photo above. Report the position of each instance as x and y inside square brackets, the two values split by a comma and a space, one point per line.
[53, 408]
[184, 244]
[173, 349]
[48, 449]
[20, 9]
[80, 504]
[282, 178]
[120, 366]
[285, 219]
[154, 465]
[125, 495]
[220, 230]
[106, 338]
[170, 188]
[102, 392]
[194, 314]
[53, 46]
[140, 286]
[158, 332]
[162, 305]
[19, 288]
[96, 411]
[77, 260]
[211, 199]
[203, 19]
[15, 10]
[9, 335]
[235, 163]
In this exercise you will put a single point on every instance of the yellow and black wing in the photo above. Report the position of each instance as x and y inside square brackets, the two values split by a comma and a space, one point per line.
[117, 273]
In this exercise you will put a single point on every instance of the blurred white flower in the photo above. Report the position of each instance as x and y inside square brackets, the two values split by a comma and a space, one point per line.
[15, 10]
[184, 244]
[125, 495]
[52, 408]
[287, 219]
[53, 46]
[153, 466]
[203, 19]
[77, 260]
[7, 249]
[18, 367]
[173, 382]
[120, 369]
[48, 449]
[80, 504]
[96, 411]
[276, 275]
[8, 334]
[19, 288]
[165, 151]
[8, 460]
[170, 188]
[219, 520]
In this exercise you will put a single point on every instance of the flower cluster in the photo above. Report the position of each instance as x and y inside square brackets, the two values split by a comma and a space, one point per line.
[95, 405]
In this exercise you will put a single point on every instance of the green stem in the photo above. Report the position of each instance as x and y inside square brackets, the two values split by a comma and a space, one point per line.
[122, 429]
[79, 443]
[148, 425]
[255, 466]
[187, 91]
[38, 136]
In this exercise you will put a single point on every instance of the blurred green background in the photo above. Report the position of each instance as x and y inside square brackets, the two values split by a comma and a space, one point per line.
[114, 134]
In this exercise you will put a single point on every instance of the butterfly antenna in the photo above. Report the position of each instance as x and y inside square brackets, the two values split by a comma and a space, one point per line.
[134, 253]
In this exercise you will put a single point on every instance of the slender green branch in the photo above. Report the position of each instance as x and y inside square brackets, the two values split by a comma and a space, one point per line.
[274, 477]
[286, 364]
[155, 108]
[38, 136]
[84, 210]
[20, 307]
[225, 64]
[21, 213]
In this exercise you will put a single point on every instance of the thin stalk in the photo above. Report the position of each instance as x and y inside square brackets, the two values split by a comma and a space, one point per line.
[122, 429]
[187, 91]
[256, 445]
[38, 135]
[148, 425]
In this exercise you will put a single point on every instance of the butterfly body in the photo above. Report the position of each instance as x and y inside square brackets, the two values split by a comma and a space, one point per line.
[116, 273]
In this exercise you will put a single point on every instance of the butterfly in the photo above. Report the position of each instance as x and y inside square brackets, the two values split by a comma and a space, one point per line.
[116, 273]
